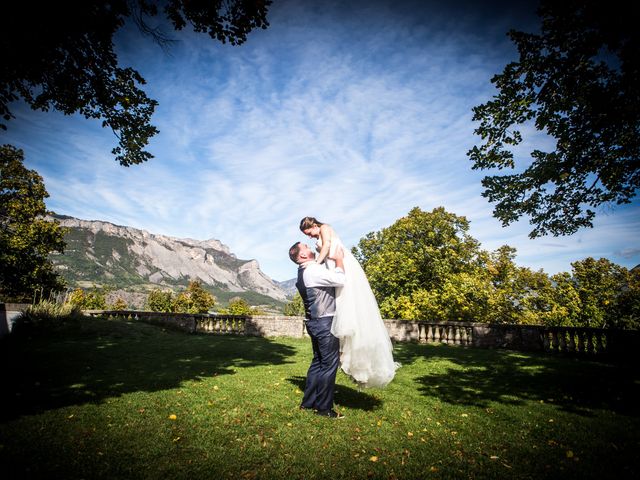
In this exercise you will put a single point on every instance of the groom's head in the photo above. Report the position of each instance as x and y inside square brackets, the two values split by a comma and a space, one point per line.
[300, 253]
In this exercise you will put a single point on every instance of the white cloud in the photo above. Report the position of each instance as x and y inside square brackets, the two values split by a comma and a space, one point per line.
[354, 118]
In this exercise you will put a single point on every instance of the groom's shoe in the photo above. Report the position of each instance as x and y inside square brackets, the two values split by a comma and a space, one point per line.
[329, 413]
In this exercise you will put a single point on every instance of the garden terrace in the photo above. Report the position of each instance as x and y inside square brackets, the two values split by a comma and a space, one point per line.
[113, 398]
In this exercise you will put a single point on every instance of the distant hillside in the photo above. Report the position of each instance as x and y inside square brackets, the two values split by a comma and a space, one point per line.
[103, 253]
[289, 287]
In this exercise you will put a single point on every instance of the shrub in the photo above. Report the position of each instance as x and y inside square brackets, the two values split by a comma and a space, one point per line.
[46, 316]
[295, 308]
[160, 301]
[119, 304]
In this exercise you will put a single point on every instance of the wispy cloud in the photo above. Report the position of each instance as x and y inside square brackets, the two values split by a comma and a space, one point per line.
[353, 112]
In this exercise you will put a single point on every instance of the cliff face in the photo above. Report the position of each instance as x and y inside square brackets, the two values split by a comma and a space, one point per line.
[102, 252]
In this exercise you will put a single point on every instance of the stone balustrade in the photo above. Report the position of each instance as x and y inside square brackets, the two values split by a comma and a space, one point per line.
[262, 326]
[566, 340]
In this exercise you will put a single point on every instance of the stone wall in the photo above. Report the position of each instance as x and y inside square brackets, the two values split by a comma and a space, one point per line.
[255, 326]
[8, 313]
[573, 340]
[278, 326]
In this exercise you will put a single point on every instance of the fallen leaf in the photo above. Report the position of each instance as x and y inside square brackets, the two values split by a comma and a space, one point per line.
[173, 417]
[373, 459]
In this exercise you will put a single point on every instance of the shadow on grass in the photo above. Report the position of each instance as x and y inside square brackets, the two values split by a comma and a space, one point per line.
[95, 359]
[479, 377]
[345, 396]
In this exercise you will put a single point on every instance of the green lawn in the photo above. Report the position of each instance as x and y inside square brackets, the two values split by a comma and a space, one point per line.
[112, 399]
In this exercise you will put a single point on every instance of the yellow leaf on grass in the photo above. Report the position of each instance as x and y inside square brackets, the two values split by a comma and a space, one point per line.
[373, 459]
[409, 434]
[173, 417]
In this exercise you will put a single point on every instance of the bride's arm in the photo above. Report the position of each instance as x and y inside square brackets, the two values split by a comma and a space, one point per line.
[325, 236]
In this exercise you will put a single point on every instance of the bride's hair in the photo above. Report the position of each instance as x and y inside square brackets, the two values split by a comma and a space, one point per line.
[308, 222]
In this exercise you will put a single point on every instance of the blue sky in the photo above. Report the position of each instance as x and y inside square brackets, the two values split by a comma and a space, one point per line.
[350, 111]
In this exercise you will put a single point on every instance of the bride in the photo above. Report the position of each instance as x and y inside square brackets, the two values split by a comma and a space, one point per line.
[365, 348]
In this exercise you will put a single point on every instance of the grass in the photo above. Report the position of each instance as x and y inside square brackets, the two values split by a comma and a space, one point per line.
[115, 399]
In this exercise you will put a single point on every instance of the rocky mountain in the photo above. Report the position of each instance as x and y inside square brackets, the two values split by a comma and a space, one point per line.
[289, 287]
[104, 253]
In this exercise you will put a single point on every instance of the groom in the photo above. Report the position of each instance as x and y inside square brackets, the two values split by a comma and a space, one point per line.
[316, 285]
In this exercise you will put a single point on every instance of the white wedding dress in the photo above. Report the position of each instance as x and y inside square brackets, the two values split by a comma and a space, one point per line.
[366, 352]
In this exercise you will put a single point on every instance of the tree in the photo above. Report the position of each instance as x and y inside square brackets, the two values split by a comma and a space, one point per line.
[26, 238]
[61, 55]
[295, 308]
[578, 81]
[160, 301]
[194, 299]
[627, 313]
[239, 306]
[91, 300]
[119, 304]
[598, 283]
[419, 263]
[420, 250]
[518, 294]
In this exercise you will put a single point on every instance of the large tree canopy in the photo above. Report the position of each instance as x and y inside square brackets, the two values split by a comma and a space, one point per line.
[61, 55]
[26, 238]
[579, 82]
[426, 266]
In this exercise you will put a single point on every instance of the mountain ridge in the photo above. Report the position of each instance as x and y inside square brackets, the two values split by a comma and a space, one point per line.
[103, 252]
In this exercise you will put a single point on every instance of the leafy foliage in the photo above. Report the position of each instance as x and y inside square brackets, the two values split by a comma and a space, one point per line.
[420, 250]
[46, 317]
[119, 304]
[88, 300]
[26, 238]
[160, 300]
[295, 308]
[61, 55]
[470, 284]
[579, 82]
[239, 306]
[194, 299]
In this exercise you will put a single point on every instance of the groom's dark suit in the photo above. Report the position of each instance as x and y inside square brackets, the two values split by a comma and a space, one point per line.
[316, 285]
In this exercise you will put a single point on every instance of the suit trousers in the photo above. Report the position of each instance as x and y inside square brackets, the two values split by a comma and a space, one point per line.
[321, 376]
